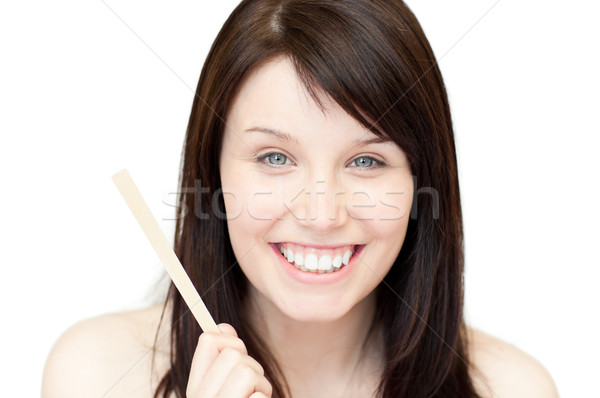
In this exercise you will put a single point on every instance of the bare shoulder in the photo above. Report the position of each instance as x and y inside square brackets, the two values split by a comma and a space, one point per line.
[500, 369]
[109, 356]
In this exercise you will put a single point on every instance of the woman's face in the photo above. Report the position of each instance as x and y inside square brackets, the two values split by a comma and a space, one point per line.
[317, 185]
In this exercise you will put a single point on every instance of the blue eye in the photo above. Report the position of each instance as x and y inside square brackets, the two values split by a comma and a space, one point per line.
[366, 162]
[274, 159]
[278, 159]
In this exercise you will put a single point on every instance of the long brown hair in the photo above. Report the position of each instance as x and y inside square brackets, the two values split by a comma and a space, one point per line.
[373, 59]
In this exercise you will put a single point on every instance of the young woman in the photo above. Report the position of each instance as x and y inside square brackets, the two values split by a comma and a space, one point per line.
[326, 238]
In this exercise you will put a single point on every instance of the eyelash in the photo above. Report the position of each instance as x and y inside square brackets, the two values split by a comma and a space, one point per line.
[263, 159]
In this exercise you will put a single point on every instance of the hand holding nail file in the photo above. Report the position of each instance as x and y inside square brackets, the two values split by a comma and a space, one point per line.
[161, 245]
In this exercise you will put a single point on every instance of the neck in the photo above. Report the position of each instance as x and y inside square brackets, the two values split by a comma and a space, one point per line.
[320, 354]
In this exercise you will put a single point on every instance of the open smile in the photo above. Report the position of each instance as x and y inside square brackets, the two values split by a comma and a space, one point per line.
[325, 257]
[318, 260]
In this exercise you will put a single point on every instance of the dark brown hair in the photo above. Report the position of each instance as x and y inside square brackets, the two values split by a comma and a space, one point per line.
[373, 59]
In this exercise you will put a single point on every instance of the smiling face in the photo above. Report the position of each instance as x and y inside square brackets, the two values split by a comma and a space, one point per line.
[316, 186]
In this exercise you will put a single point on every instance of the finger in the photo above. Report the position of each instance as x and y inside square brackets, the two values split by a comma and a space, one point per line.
[243, 381]
[207, 350]
[230, 357]
[259, 395]
[227, 329]
[227, 361]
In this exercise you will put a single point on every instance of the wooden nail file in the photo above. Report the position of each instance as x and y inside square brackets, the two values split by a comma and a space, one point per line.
[161, 245]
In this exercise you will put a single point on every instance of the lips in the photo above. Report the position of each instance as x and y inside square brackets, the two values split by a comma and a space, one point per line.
[318, 278]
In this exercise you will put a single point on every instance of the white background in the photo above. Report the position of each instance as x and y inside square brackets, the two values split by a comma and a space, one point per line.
[82, 97]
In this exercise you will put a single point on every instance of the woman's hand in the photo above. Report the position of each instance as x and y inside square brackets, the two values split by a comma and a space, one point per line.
[221, 367]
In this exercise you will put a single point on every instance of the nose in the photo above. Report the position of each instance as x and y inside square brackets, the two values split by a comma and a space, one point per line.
[322, 207]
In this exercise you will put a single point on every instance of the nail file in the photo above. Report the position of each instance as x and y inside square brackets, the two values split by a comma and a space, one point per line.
[161, 245]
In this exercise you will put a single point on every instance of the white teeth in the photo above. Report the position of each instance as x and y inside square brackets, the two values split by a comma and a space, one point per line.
[346, 257]
[337, 262]
[324, 263]
[311, 262]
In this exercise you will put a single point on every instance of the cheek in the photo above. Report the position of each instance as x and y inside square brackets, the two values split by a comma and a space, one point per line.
[252, 203]
[387, 205]
[383, 211]
[261, 198]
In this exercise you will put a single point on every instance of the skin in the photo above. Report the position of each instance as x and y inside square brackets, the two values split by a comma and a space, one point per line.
[314, 331]
[268, 199]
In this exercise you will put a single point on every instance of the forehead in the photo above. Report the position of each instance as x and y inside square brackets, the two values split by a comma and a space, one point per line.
[273, 96]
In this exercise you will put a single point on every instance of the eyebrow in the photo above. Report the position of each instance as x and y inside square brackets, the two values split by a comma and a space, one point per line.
[283, 136]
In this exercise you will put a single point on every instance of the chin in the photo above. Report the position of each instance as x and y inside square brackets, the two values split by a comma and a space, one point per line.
[314, 311]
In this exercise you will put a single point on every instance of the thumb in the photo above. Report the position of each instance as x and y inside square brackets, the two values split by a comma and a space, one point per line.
[227, 329]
